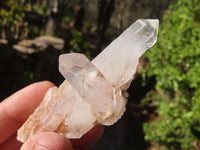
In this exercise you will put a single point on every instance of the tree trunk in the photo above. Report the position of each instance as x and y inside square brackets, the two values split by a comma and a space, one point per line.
[120, 7]
[79, 15]
[51, 23]
[106, 8]
[58, 10]
[50, 27]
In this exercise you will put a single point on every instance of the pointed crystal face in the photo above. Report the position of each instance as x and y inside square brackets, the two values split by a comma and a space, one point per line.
[119, 60]
[75, 67]
[88, 82]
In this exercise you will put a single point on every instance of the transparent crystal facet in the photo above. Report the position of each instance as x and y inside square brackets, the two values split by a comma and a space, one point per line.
[119, 60]
[88, 82]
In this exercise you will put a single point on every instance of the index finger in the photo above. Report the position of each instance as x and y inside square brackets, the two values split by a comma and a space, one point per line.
[15, 109]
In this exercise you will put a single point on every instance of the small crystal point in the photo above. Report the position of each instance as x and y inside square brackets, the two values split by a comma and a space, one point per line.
[119, 60]
[89, 83]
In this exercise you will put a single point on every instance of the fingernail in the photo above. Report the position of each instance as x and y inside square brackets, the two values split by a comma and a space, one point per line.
[40, 147]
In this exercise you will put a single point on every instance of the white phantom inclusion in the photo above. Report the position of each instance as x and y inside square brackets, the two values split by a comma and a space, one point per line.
[93, 92]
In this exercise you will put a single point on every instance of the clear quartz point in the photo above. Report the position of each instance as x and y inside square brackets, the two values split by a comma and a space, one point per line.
[119, 60]
[89, 83]
[93, 92]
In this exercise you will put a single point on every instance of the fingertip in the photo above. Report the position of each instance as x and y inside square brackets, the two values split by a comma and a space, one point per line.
[15, 109]
[47, 83]
[89, 139]
[42, 86]
[47, 141]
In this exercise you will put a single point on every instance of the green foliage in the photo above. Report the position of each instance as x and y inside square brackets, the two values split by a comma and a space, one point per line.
[67, 19]
[26, 78]
[175, 62]
[79, 45]
[42, 9]
[12, 20]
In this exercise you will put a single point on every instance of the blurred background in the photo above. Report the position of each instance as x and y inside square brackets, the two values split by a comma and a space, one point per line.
[163, 110]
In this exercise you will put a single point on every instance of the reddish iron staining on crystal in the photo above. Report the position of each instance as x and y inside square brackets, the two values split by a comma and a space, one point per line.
[62, 127]
[99, 74]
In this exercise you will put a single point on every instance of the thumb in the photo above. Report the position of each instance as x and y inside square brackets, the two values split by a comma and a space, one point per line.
[47, 141]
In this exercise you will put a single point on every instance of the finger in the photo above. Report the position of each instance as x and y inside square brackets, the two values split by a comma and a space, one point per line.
[47, 141]
[89, 139]
[11, 144]
[16, 108]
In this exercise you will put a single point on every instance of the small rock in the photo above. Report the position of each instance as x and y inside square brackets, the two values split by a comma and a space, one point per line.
[39, 44]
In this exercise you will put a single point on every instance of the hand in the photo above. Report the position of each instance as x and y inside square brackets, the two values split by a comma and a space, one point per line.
[15, 110]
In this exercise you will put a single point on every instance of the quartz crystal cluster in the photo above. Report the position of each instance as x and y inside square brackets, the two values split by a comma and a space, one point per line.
[93, 92]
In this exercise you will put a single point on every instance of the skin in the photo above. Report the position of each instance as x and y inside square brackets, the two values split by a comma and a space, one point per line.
[15, 110]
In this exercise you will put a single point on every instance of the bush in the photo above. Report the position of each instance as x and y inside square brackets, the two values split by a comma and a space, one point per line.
[78, 44]
[18, 21]
[12, 20]
[175, 62]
